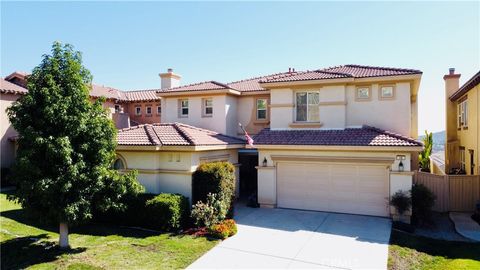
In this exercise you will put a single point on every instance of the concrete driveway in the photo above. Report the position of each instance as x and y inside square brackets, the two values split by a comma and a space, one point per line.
[290, 239]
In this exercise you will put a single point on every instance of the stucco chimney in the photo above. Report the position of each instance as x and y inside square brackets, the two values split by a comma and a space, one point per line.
[169, 79]
[452, 83]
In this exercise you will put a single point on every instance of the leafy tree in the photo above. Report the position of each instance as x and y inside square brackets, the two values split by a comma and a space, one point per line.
[66, 146]
[424, 156]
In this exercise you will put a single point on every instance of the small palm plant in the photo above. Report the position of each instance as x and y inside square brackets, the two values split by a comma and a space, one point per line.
[424, 156]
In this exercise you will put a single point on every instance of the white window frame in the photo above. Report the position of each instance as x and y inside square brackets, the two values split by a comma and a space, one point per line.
[358, 97]
[382, 96]
[146, 110]
[205, 107]
[462, 159]
[182, 107]
[138, 110]
[462, 121]
[159, 109]
[265, 109]
[308, 105]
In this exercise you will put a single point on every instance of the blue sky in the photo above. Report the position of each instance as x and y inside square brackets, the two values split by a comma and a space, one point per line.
[125, 45]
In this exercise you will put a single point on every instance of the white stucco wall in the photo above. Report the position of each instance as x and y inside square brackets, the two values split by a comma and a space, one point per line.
[224, 116]
[7, 153]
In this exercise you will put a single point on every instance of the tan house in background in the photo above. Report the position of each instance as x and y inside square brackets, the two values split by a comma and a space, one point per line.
[462, 149]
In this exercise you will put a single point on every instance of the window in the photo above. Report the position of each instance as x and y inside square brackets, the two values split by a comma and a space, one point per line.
[208, 107]
[149, 110]
[387, 91]
[159, 109]
[462, 158]
[117, 108]
[118, 164]
[184, 107]
[363, 93]
[261, 109]
[307, 109]
[138, 110]
[462, 114]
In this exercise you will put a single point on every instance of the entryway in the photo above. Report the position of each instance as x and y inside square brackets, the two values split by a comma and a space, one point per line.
[248, 173]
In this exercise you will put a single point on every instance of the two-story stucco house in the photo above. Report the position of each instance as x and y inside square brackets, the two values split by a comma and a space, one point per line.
[462, 149]
[335, 139]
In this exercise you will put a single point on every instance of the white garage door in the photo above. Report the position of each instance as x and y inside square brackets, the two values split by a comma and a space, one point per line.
[346, 188]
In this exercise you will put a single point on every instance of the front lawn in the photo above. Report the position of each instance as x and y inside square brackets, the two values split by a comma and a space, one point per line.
[408, 251]
[25, 244]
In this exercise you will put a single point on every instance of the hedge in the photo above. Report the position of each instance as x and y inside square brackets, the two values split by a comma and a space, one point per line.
[213, 177]
[168, 212]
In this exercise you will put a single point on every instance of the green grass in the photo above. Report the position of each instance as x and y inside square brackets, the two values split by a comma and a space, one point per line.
[25, 244]
[415, 252]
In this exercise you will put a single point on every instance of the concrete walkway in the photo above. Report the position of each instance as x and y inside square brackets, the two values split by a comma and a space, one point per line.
[286, 239]
[465, 225]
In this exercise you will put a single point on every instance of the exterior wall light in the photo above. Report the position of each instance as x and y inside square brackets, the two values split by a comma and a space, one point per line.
[264, 163]
[401, 167]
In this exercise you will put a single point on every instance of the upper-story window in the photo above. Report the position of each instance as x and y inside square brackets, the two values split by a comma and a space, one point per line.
[184, 107]
[207, 107]
[138, 110]
[149, 110]
[387, 92]
[117, 108]
[462, 114]
[261, 109]
[159, 109]
[462, 158]
[307, 106]
[363, 93]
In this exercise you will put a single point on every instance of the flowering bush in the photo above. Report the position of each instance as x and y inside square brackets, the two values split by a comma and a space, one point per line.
[212, 212]
[223, 229]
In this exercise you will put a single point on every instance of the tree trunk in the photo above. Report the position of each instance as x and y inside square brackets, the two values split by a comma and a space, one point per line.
[64, 236]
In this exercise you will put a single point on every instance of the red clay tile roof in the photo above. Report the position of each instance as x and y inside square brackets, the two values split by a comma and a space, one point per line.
[253, 83]
[105, 91]
[173, 134]
[365, 136]
[142, 95]
[209, 85]
[475, 80]
[346, 71]
[11, 88]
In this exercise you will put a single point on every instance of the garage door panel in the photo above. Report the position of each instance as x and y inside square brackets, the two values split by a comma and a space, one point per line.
[354, 189]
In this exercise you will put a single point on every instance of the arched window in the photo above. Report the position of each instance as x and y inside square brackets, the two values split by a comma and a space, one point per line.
[119, 164]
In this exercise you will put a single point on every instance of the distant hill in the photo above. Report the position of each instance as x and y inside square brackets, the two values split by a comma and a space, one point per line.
[438, 141]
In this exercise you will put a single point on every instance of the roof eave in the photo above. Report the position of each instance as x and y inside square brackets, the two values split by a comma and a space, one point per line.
[466, 87]
[370, 148]
[199, 92]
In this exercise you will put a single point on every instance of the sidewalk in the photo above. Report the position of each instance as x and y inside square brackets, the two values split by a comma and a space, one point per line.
[465, 225]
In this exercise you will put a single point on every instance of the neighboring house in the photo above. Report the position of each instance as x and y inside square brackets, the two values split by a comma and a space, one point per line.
[165, 155]
[127, 108]
[462, 147]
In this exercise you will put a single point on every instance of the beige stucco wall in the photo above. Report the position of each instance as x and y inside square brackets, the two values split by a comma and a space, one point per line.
[246, 114]
[217, 122]
[340, 109]
[6, 130]
[267, 190]
[171, 172]
[389, 114]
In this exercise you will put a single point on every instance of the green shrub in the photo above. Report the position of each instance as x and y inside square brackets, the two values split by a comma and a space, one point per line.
[223, 229]
[422, 202]
[213, 211]
[134, 214]
[402, 201]
[167, 212]
[213, 177]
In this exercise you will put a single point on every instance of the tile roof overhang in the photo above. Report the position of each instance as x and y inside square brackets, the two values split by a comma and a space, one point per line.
[175, 135]
[469, 85]
[365, 137]
[198, 88]
[7, 87]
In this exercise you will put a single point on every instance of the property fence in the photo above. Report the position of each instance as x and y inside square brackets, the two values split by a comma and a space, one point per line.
[454, 192]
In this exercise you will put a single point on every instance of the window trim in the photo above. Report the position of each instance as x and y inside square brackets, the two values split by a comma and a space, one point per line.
[204, 107]
[318, 105]
[380, 91]
[180, 106]
[358, 98]
[257, 109]
[462, 114]
[124, 161]
[462, 159]
[146, 110]
[117, 108]
[159, 107]
[138, 110]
